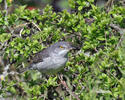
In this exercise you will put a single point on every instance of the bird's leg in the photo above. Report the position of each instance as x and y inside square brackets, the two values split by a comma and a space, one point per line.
[67, 88]
[60, 77]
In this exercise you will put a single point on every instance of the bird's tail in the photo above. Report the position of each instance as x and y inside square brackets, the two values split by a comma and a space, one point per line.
[24, 69]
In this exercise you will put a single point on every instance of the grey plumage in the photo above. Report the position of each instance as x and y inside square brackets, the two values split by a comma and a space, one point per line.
[51, 59]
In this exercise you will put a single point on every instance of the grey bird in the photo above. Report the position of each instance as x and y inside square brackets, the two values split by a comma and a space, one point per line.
[52, 59]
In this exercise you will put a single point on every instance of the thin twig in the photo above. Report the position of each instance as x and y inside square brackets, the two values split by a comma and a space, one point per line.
[105, 39]
[36, 26]
[22, 25]
[6, 73]
[110, 74]
[3, 46]
[31, 22]
[117, 28]
[5, 7]
[108, 5]
[121, 31]
[119, 43]
[21, 31]
[66, 86]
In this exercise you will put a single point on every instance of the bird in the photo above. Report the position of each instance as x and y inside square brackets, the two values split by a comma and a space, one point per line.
[52, 59]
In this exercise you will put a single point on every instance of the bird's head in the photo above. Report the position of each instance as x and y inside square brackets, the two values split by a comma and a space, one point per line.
[61, 48]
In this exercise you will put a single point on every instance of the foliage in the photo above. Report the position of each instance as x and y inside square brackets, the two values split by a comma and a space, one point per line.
[94, 72]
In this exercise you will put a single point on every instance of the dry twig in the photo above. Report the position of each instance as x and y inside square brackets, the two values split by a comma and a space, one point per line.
[121, 31]
[65, 85]
[5, 7]
[108, 5]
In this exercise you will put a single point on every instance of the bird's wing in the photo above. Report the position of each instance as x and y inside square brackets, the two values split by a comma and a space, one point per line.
[38, 57]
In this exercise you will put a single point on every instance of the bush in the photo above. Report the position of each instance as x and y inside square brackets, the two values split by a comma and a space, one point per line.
[96, 71]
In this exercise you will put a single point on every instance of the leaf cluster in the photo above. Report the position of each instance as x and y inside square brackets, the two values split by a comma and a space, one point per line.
[96, 71]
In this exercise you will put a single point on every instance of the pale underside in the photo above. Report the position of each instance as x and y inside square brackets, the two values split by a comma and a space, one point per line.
[50, 65]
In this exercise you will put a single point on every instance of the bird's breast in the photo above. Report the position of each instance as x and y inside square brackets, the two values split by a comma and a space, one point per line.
[51, 64]
[58, 62]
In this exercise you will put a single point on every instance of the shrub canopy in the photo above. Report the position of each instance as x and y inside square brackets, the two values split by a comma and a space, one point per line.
[96, 71]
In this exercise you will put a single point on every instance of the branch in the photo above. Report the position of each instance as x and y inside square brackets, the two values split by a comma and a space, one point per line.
[5, 7]
[108, 5]
[121, 31]
[67, 88]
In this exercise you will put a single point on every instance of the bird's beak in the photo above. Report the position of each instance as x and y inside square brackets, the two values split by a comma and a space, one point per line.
[73, 47]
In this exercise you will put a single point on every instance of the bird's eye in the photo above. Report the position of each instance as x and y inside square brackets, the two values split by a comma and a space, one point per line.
[61, 47]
